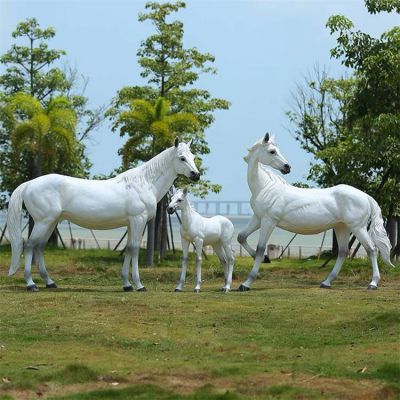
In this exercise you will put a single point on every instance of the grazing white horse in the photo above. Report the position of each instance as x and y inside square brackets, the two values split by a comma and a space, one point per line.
[129, 199]
[216, 231]
[309, 211]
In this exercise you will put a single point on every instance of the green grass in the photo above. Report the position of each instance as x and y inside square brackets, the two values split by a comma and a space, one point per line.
[285, 339]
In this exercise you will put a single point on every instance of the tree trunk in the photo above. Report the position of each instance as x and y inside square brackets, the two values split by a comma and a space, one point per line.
[397, 248]
[335, 247]
[164, 228]
[157, 241]
[391, 229]
[150, 243]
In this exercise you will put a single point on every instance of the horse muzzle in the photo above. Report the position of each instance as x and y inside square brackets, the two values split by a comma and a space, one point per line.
[194, 176]
[286, 169]
[170, 210]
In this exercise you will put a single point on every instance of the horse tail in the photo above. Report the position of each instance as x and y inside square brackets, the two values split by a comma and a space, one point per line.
[378, 232]
[14, 216]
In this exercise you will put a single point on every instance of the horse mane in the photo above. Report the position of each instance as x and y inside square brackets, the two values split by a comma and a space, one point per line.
[256, 145]
[275, 178]
[148, 171]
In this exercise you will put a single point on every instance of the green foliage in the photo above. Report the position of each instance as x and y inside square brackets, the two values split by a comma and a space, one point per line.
[45, 135]
[151, 127]
[375, 6]
[171, 71]
[25, 64]
[351, 125]
[31, 69]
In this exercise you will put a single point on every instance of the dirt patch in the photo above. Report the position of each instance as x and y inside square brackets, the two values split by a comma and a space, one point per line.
[334, 387]
[186, 382]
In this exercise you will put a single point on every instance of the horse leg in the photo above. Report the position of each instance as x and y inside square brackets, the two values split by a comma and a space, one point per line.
[39, 231]
[267, 226]
[253, 225]
[185, 251]
[199, 247]
[137, 225]
[231, 260]
[342, 235]
[126, 285]
[39, 257]
[221, 255]
[364, 238]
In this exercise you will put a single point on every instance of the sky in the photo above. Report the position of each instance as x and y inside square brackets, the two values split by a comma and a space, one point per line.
[262, 50]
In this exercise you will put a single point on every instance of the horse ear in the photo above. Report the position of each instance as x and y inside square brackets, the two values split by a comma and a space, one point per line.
[266, 138]
[176, 142]
[185, 191]
[189, 143]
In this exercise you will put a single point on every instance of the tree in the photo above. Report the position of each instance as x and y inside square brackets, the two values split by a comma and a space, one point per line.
[375, 108]
[31, 69]
[26, 65]
[46, 135]
[150, 127]
[171, 71]
[351, 125]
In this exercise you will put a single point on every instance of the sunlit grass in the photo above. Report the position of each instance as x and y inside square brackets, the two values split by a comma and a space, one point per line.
[286, 338]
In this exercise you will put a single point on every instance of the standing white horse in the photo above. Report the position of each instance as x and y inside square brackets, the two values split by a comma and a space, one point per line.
[216, 231]
[309, 211]
[130, 199]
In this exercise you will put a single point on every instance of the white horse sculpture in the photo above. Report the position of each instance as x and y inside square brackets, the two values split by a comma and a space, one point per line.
[309, 211]
[129, 199]
[216, 231]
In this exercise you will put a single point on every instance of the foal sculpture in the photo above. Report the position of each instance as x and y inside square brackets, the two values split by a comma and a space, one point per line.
[309, 211]
[216, 231]
[129, 199]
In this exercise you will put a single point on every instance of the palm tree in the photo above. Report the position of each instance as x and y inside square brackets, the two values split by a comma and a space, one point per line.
[45, 133]
[151, 128]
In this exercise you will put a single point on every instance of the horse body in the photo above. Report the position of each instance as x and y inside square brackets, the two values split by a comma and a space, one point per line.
[130, 199]
[324, 209]
[211, 230]
[309, 211]
[77, 200]
[216, 231]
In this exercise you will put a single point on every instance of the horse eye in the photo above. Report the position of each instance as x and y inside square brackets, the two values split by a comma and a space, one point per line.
[183, 159]
[273, 152]
[179, 200]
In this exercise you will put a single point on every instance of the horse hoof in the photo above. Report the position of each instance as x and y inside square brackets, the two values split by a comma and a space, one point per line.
[32, 288]
[51, 286]
[372, 287]
[128, 289]
[197, 290]
[266, 259]
[178, 290]
[225, 290]
[142, 289]
[243, 288]
[323, 286]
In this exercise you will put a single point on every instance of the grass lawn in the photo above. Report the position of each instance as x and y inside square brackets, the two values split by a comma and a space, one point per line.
[284, 339]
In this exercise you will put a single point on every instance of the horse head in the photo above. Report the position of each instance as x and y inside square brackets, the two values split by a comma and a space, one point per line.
[184, 161]
[177, 200]
[267, 152]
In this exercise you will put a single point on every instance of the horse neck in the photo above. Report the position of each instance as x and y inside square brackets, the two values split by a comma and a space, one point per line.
[157, 172]
[163, 183]
[254, 177]
[260, 179]
[187, 214]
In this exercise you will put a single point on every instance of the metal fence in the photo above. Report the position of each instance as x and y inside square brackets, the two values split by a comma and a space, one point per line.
[273, 250]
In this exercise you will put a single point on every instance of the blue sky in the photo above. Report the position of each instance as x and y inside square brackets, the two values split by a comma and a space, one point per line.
[262, 49]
